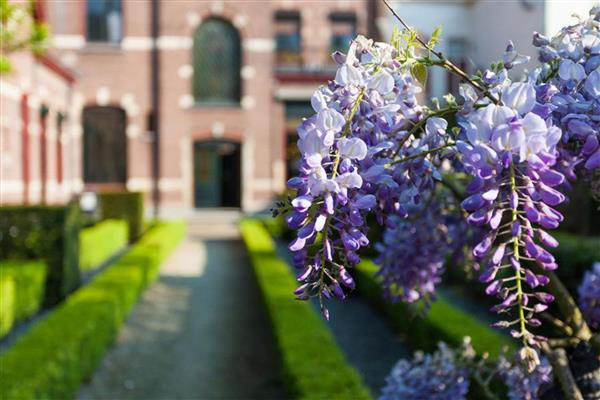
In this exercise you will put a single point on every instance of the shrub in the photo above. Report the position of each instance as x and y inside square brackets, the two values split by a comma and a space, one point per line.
[7, 300]
[51, 360]
[443, 322]
[98, 242]
[48, 233]
[314, 366]
[29, 279]
[124, 205]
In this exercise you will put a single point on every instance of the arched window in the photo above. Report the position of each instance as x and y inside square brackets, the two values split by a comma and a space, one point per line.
[217, 61]
[104, 145]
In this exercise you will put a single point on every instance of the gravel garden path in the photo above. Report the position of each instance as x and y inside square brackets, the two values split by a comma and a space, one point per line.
[199, 332]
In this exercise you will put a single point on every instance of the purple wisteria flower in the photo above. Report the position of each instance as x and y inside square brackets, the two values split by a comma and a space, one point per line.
[521, 383]
[344, 149]
[589, 296]
[413, 252]
[437, 376]
[570, 89]
[510, 150]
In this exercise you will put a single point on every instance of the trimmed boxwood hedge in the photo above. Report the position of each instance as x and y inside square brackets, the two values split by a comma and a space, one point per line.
[49, 233]
[443, 322]
[59, 352]
[314, 366]
[7, 300]
[124, 205]
[26, 294]
[98, 242]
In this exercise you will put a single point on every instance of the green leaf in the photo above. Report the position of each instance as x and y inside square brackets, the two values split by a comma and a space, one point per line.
[395, 41]
[419, 71]
[435, 37]
[5, 65]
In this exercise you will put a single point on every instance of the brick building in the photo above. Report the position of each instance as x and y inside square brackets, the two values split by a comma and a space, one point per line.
[229, 81]
[40, 135]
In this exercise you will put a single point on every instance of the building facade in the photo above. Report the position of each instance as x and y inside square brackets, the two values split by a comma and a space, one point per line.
[234, 78]
[40, 133]
[475, 32]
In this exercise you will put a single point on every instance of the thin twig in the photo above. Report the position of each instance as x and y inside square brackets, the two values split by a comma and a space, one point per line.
[560, 365]
[563, 342]
[564, 328]
[445, 62]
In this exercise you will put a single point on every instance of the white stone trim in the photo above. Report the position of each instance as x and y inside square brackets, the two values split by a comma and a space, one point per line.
[170, 184]
[145, 184]
[247, 172]
[11, 186]
[175, 43]
[139, 184]
[68, 42]
[279, 175]
[130, 43]
[259, 45]
[187, 170]
[248, 102]
[303, 92]
[248, 72]
[10, 91]
[137, 43]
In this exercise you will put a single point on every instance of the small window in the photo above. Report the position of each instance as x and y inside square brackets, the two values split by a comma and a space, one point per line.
[287, 37]
[217, 62]
[343, 30]
[104, 21]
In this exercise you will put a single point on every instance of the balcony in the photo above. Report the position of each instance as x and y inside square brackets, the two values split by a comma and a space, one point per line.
[306, 65]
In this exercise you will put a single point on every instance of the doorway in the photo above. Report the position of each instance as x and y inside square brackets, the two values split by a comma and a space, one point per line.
[104, 145]
[217, 174]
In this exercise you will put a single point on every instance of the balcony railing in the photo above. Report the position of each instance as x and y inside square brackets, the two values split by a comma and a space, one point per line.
[307, 64]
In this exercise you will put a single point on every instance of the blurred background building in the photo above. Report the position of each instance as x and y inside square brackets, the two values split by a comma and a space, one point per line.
[475, 32]
[196, 102]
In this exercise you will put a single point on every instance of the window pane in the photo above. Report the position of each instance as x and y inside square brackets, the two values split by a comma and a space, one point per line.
[217, 62]
[343, 30]
[104, 21]
[287, 37]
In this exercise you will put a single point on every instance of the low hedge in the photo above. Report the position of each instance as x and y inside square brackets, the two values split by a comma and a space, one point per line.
[48, 233]
[98, 242]
[443, 322]
[51, 360]
[7, 301]
[314, 366]
[27, 293]
[124, 205]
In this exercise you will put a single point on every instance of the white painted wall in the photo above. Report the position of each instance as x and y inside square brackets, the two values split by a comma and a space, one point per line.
[496, 22]
[487, 25]
[559, 13]
[426, 16]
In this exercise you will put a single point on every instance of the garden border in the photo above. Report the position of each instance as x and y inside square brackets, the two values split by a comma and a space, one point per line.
[314, 366]
[53, 358]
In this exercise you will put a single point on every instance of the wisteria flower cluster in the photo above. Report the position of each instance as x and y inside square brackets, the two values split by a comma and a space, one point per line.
[359, 116]
[510, 151]
[437, 376]
[523, 384]
[372, 153]
[589, 296]
[413, 251]
[447, 373]
[570, 86]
